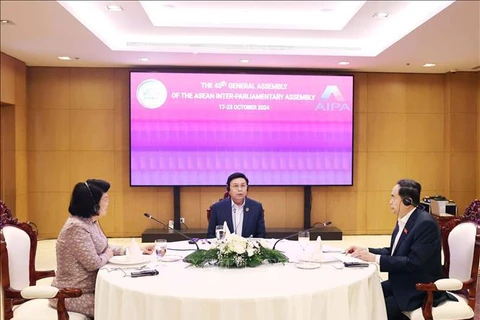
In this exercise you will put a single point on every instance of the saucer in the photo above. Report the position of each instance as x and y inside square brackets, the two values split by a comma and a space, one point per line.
[308, 265]
[124, 260]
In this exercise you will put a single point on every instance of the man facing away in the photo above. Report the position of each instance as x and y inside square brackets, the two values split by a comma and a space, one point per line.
[414, 254]
[243, 215]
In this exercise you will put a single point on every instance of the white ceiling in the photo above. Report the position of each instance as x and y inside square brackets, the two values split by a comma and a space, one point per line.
[276, 34]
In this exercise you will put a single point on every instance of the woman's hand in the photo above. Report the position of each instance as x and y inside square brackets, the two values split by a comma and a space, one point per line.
[148, 249]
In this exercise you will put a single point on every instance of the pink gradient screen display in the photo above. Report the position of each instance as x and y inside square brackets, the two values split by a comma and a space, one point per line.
[195, 129]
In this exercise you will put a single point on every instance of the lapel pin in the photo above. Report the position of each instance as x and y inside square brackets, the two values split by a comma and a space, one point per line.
[247, 209]
[405, 231]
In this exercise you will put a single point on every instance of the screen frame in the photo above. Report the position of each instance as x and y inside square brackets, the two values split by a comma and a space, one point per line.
[233, 70]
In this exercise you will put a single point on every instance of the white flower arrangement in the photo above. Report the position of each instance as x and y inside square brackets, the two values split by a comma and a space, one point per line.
[236, 252]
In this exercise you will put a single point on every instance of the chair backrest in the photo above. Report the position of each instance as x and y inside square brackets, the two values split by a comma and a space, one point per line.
[18, 245]
[461, 248]
[209, 210]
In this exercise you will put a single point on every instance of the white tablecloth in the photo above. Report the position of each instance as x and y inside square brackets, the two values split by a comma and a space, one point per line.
[268, 292]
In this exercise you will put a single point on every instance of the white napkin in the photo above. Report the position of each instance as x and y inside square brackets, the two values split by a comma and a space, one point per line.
[318, 250]
[226, 230]
[133, 252]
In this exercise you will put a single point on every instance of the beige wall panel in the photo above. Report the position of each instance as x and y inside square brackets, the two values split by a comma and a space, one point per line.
[360, 172]
[190, 206]
[48, 88]
[346, 210]
[91, 130]
[92, 88]
[425, 132]
[294, 203]
[49, 130]
[274, 203]
[8, 175]
[319, 205]
[21, 106]
[8, 128]
[380, 219]
[463, 92]
[10, 200]
[92, 165]
[49, 211]
[129, 209]
[49, 171]
[360, 132]
[21, 207]
[463, 172]
[384, 169]
[121, 109]
[425, 93]
[427, 169]
[386, 92]
[21, 170]
[462, 199]
[478, 134]
[165, 203]
[7, 79]
[121, 134]
[463, 132]
[386, 132]
[360, 92]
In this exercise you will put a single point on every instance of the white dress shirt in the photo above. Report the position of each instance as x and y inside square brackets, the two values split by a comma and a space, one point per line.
[237, 218]
[401, 225]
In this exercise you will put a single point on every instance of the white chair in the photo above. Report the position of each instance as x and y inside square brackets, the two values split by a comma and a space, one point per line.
[22, 299]
[461, 248]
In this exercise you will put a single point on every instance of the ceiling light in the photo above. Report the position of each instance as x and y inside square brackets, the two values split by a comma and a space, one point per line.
[6, 22]
[244, 60]
[344, 63]
[64, 58]
[380, 15]
[143, 59]
[114, 8]
[429, 65]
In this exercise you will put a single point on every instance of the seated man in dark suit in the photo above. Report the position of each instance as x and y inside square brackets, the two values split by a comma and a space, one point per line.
[414, 254]
[243, 215]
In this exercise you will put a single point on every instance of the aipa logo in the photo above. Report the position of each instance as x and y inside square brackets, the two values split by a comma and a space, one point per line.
[326, 103]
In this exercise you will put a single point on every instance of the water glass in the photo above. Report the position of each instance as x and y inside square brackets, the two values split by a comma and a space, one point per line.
[220, 232]
[303, 239]
[160, 248]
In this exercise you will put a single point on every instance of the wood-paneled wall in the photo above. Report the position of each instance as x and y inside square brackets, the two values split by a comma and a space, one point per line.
[406, 125]
[13, 135]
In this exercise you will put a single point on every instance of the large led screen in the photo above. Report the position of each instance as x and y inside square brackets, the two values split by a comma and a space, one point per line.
[195, 129]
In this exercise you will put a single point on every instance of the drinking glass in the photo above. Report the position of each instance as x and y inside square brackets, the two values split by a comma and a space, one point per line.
[160, 248]
[303, 239]
[219, 232]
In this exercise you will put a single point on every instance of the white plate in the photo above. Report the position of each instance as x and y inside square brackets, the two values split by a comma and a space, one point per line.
[308, 265]
[124, 260]
[171, 258]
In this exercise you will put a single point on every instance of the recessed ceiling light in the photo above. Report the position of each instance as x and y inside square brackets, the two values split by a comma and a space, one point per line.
[244, 60]
[143, 59]
[64, 58]
[6, 22]
[114, 8]
[344, 63]
[380, 15]
[429, 65]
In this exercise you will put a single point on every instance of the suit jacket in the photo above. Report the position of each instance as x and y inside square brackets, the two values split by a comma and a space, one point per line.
[253, 218]
[417, 258]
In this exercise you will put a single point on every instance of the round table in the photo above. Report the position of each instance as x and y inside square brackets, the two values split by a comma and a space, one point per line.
[276, 292]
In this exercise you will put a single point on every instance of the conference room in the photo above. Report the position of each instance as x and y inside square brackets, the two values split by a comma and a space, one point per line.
[323, 105]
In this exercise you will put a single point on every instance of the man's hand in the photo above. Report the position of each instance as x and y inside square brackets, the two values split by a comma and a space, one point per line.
[364, 255]
[353, 249]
